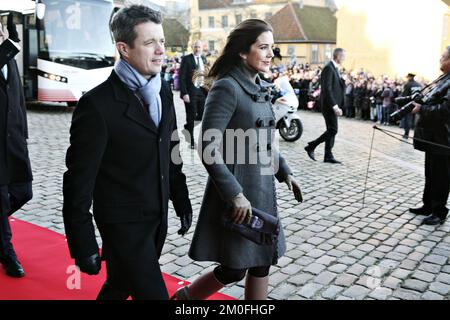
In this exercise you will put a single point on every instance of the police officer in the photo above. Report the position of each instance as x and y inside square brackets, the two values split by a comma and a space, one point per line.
[410, 88]
[432, 135]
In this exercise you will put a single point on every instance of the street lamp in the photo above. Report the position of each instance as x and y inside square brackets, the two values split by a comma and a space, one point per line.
[40, 9]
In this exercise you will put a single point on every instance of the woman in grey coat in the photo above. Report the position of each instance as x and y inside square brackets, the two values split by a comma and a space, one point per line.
[236, 147]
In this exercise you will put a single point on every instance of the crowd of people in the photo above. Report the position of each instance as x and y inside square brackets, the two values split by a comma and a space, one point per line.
[366, 97]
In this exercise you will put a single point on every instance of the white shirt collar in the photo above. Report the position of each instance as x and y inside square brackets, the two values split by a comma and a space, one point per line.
[5, 71]
[335, 64]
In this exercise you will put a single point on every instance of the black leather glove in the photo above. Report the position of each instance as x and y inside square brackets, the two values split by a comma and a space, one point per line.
[90, 265]
[186, 222]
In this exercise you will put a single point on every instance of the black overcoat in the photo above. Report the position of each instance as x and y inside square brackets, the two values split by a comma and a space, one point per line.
[123, 164]
[14, 160]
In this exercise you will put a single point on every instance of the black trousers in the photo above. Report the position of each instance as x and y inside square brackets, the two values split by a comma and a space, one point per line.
[437, 184]
[12, 197]
[132, 266]
[194, 112]
[408, 121]
[328, 136]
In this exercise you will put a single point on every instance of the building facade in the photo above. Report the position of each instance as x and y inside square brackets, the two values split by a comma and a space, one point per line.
[394, 37]
[212, 20]
[305, 34]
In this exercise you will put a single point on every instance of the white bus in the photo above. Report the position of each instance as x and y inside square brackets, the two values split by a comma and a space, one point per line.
[67, 52]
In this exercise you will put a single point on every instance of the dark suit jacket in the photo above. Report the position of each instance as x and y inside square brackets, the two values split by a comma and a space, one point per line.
[187, 68]
[14, 159]
[119, 160]
[332, 88]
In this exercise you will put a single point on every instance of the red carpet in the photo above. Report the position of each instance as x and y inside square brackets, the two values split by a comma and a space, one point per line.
[45, 258]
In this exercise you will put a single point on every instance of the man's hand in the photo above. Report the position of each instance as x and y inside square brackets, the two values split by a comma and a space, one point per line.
[417, 108]
[186, 98]
[242, 209]
[294, 187]
[186, 222]
[337, 110]
[90, 265]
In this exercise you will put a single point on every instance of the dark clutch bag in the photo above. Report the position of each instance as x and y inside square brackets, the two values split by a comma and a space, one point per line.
[7, 51]
[263, 228]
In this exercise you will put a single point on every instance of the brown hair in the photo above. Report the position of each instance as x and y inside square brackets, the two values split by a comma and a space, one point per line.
[240, 40]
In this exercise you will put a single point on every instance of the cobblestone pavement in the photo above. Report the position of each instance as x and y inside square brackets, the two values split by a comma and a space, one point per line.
[336, 248]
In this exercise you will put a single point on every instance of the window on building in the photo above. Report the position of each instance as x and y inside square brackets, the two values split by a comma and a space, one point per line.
[224, 21]
[328, 52]
[211, 45]
[253, 15]
[211, 22]
[315, 53]
[200, 22]
[268, 15]
[238, 18]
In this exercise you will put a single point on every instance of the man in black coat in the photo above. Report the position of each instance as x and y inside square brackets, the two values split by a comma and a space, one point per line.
[15, 168]
[432, 135]
[128, 164]
[191, 90]
[331, 99]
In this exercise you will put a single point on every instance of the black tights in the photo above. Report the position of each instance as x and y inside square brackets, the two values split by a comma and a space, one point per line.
[228, 275]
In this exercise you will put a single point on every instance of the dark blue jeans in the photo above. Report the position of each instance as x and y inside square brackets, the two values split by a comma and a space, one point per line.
[12, 198]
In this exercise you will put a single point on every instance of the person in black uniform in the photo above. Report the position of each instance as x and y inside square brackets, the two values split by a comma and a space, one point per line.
[124, 158]
[410, 87]
[15, 168]
[331, 98]
[191, 90]
[433, 126]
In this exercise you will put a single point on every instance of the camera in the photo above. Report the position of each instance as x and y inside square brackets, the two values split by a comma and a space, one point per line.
[408, 105]
[432, 93]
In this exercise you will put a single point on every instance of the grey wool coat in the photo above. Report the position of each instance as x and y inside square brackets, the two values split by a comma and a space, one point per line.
[236, 102]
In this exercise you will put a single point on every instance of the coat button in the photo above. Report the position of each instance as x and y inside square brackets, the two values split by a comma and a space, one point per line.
[259, 122]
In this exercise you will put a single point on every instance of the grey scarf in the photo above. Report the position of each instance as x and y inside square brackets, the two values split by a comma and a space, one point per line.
[148, 90]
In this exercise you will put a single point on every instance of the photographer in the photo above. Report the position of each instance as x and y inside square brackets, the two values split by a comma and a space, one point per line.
[432, 135]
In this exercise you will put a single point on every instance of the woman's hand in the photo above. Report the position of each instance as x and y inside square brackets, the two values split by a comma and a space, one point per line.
[242, 209]
[294, 187]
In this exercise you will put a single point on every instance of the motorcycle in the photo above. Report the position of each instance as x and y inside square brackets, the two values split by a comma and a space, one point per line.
[287, 120]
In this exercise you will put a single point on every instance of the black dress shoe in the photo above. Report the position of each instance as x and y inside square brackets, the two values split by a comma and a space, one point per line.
[331, 160]
[13, 268]
[432, 220]
[310, 151]
[422, 211]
